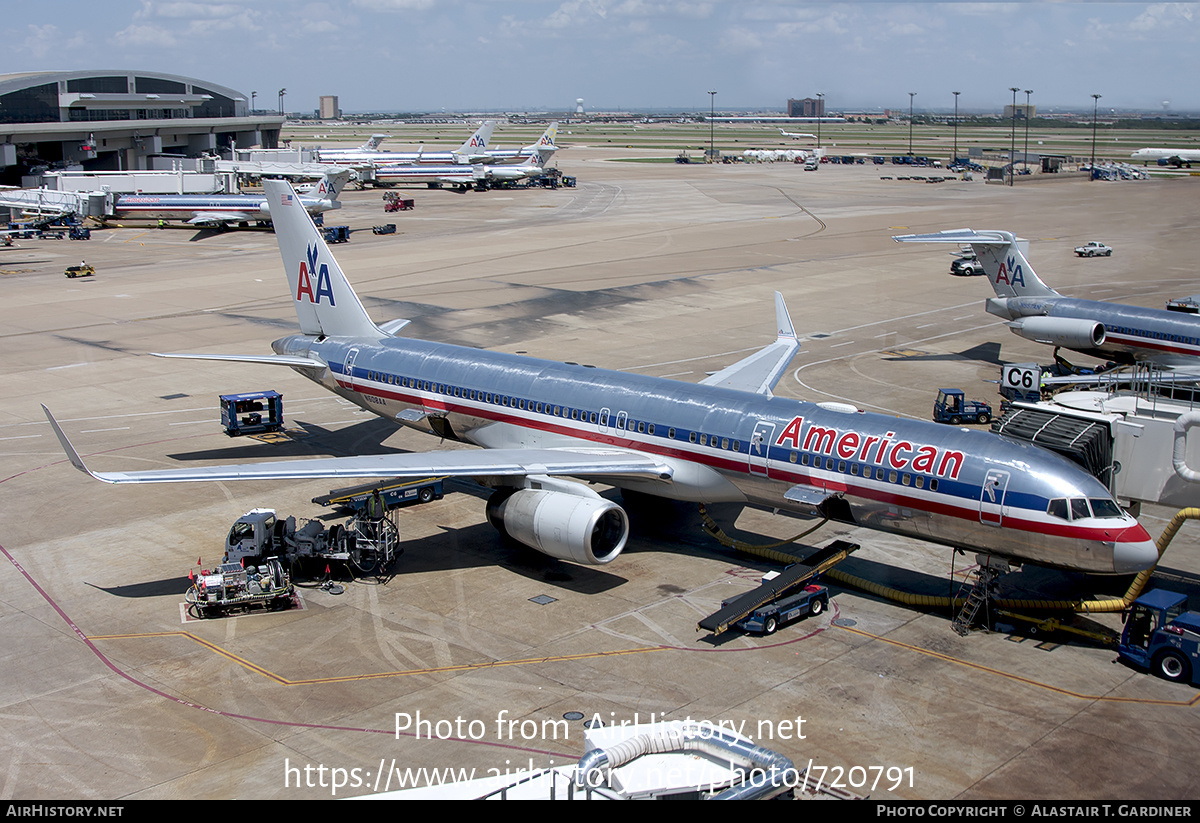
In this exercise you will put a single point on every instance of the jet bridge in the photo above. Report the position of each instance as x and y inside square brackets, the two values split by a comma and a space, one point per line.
[793, 577]
[1136, 442]
[50, 201]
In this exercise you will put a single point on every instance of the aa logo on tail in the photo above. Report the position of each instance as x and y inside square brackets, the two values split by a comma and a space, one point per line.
[308, 269]
[1011, 273]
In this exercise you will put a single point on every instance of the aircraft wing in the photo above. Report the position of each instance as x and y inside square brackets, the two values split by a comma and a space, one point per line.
[466, 463]
[212, 218]
[759, 372]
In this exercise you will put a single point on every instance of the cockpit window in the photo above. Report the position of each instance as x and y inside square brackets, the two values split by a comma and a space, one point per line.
[1079, 508]
[1058, 508]
[1105, 508]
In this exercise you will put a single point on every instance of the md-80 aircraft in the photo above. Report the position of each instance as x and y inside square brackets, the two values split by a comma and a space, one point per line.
[725, 439]
[1037, 312]
[471, 151]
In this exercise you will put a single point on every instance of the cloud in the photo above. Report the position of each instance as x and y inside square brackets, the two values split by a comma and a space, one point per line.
[136, 36]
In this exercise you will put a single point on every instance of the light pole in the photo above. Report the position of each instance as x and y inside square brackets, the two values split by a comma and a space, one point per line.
[253, 95]
[955, 158]
[1012, 149]
[1095, 105]
[820, 114]
[712, 101]
[282, 92]
[1025, 159]
[911, 95]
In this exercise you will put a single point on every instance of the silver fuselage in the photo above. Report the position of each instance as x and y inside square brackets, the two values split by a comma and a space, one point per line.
[1167, 338]
[953, 486]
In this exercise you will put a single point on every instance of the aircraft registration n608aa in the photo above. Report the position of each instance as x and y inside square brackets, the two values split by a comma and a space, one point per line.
[725, 439]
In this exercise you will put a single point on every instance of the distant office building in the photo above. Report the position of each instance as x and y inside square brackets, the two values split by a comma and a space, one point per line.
[808, 107]
[328, 109]
[118, 120]
[1023, 112]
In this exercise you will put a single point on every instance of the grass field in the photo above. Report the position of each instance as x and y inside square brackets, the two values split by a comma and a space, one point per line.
[668, 139]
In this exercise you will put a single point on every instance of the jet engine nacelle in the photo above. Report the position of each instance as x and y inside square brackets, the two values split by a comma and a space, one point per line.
[586, 530]
[1071, 333]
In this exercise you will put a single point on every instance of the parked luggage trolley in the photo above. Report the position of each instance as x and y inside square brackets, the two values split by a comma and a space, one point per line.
[252, 412]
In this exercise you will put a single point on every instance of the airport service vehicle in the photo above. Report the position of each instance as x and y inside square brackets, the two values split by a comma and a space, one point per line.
[768, 619]
[1109, 331]
[393, 202]
[259, 535]
[395, 494]
[252, 412]
[386, 228]
[951, 406]
[542, 424]
[1093, 249]
[1161, 636]
[337, 234]
[232, 587]
[83, 270]
[966, 267]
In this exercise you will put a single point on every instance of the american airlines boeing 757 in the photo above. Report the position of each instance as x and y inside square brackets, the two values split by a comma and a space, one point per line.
[725, 439]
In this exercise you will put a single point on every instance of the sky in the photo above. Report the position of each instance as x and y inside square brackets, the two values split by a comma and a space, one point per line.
[542, 55]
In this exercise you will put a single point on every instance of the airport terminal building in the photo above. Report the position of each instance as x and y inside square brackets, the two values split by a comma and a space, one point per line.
[119, 120]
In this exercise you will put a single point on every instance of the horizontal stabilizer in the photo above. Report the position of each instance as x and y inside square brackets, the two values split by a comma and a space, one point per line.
[466, 463]
[760, 372]
[264, 359]
[393, 326]
[959, 236]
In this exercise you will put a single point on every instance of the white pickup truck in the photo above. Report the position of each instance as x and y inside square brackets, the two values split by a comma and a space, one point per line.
[1094, 249]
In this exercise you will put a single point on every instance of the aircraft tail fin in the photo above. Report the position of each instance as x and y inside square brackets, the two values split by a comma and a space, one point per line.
[374, 143]
[1001, 254]
[546, 141]
[478, 141]
[329, 186]
[324, 301]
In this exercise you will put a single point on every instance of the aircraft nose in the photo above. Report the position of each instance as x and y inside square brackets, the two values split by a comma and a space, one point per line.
[1134, 551]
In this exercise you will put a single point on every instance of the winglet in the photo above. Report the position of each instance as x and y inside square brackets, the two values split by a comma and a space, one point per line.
[783, 320]
[761, 371]
[72, 455]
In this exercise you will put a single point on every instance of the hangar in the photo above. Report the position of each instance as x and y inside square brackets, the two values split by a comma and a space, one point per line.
[118, 120]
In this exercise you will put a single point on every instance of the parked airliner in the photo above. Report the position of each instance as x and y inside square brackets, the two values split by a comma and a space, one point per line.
[544, 147]
[471, 151]
[725, 439]
[1037, 312]
[1174, 157]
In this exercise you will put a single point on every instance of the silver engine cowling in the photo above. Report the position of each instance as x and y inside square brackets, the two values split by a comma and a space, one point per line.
[1061, 331]
[587, 530]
